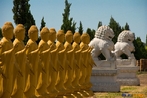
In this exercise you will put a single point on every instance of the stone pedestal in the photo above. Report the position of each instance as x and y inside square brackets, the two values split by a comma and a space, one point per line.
[127, 75]
[104, 80]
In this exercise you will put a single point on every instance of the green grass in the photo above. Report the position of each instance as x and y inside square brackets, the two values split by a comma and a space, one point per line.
[128, 88]
[141, 72]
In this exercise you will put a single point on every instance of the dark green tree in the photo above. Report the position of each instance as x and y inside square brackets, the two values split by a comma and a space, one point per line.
[99, 24]
[91, 33]
[81, 28]
[22, 15]
[115, 27]
[146, 40]
[140, 51]
[42, 23]
[1, 33]
[127, 27]
[122, 28]
[68, 23]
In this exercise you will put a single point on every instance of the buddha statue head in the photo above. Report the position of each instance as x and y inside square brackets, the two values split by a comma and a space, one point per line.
[61, 36]
[7, 30]
[76, 37]
[69, 36]
[44, 34]
[19, 32]
[85, 38]
[33, 33]
[52, 35]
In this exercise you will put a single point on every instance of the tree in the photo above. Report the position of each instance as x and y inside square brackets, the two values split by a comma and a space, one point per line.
[140, 51]
[146, 40]
[127, 27]
[115, 27]
[22, 15]
[1, 33]
[99, 24]
[42, 23]
[68, 23]
[91, 33]
[81, 28]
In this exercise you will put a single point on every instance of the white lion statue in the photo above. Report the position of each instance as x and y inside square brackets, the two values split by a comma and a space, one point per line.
[102, 43]
[125, 45]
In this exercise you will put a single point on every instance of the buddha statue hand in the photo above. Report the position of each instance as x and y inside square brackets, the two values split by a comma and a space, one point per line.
[1, 72]
[30, 67]
[15, 47]
[68, 65]
[26, 48]
[18, 68]
[43, 69]
[90, 48]
[77, 66]
[60, 66]
[1, 60]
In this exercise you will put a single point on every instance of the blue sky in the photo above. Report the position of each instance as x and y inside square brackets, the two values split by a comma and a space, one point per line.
[89, 12]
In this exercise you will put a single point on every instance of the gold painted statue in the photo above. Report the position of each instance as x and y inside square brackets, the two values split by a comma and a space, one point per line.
[53, 70]
[70, 63]
[77, 64]
[46, 70]
[62, 59]
[70, 58]
[20, 62]
[32, 70]
[7, 60]
[44, 52]
[88, 64]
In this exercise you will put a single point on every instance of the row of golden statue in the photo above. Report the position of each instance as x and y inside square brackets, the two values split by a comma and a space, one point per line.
[58, 67]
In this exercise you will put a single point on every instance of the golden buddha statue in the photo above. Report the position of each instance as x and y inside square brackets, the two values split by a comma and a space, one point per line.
[62, 59]
[88, 62]
[70, 64]
[20, 55]
[44, 52]
[53, 70]
[70, 58]
[7, 61]
[77, 64]
[32, 70]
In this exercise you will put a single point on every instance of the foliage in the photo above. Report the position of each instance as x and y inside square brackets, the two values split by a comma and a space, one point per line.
[1, 33]
[140, 51]
[22, 15]
[127, 27]
[91, 33]
[68, 23]
[146, 40]
[99, 24]
[115, 27]
[42, 23]
[81, 28]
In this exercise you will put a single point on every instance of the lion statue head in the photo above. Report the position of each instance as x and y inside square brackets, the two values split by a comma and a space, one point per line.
[104, 33]
[126, 36]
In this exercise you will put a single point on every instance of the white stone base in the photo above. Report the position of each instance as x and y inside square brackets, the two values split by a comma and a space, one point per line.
[127, 76]
[104, 80]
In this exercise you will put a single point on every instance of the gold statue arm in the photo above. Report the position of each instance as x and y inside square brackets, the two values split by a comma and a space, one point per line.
[11, 50]
[18, 68]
